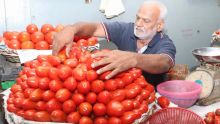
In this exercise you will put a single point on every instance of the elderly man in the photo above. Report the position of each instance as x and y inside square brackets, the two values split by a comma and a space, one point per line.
[141, 44]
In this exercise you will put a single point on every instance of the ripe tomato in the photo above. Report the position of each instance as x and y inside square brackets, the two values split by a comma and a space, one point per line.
[24, 36]
[54, 60]
[42, 71]
[85, 120]
[127, 78]
[83, 87]
[55, 85]
[42, 116]
[97, 86]
[128, 105]
[37, 36]
[31, 72]
[163, 102]
[131, 93]
[58, 116]
[18, 102]
[36, 95]
[82, 42]
[63, 95]
[104, 97]
[49, 37]
[18, 95]
[79, 74]
[20, 113]
[14, 44]
[13, 35]
[52, 105]
[136, 73]
[29, 114]
[27, 45]
[91, 75]
[73, 117]
[44, 83]
[53, 73]
[91, 98]
[70, 83]
[69, 106]
[27, 92]
[7, 35]
[141, 82]
[209, 120]
[128, 118]
[217, 112]
[118, 95]
[110, 85]
[12, 108]
[103, 75]
[16, 88]
[92, 41]
[42, 58]
[42, 45]
[64, 72]
[71, 62]
[47, 28]
[114, 120]
[85, 109]
[78, 98]
[120, 83]
[41, 106]
[100, 120]
[27, 104]
[31, 28]
[99, 109]
[145, 94]
[48, 95]
[115, 108]
[33, 82]
[34, 64]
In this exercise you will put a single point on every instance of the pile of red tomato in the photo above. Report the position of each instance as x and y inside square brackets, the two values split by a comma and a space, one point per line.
[54, 89]
[213, 117]
[40, 39]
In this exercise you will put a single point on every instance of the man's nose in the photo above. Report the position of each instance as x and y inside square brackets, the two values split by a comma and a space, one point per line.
[139, 23]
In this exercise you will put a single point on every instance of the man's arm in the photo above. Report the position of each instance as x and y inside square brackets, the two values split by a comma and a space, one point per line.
[65, 37]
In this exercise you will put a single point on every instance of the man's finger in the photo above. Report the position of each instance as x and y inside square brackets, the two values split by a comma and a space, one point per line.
[68, 49]
[101, 62]
[105, 68]
[100, 54]
[112, 74]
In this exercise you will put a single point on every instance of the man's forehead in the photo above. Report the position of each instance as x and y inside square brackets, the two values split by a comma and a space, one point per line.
[148, 11]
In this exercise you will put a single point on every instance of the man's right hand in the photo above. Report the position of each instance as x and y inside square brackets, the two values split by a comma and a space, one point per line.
[63, 39]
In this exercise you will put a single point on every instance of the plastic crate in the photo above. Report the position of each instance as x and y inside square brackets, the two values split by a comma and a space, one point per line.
[7, 84]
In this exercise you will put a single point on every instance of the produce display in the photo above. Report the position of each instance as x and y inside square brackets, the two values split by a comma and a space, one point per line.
[67, 89]
[213, 117]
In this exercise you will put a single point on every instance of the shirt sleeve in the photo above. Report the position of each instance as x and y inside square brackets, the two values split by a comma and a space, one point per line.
[114, 30]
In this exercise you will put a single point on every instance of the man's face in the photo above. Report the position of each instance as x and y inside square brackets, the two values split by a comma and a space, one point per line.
[146, 22]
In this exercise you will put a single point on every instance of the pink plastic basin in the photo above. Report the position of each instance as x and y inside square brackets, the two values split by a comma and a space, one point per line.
[181, 92]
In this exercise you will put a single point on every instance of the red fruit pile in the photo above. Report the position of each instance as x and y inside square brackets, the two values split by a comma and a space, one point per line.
[55, 89]
[213, 117]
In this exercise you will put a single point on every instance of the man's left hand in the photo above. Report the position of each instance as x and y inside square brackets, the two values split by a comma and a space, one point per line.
[115, 60]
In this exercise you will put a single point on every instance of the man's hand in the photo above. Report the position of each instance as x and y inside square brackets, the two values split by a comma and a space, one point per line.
[115, 60]
[62, 39]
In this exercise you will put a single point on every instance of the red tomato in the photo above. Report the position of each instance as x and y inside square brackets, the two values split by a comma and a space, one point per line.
[58, 116]
[163, 102]
[42, 116]
[73, 117]
[91, 75]
[82, 42]
[42, 45]
[41, 106]
[69, 106]
[44, 83]
[92, 41]
[115, 108]
[32, 72]
[131, 93]
[29, 114]
[27, 104]
[136, 73]
[100, 120]
[103, 75]
[210, 114]
[18, 95]
[13, 35]
[85, 109]
[99, 109]
[104, 97]
[33, 82]
[145, 94]
[91, 98]
[15, 88]
[55, 85]
[150, 88]
[143, 108]
[47, 28]
[110, 85]
[128, 118]
[63, 95]
[24, 36]
[12, 108]
[36, 95]
[27, 92]
[18, 102]
[27, 45]
[118, 95]
[78, 98]
[114, 120]
[49, 37]
[209, 120]
[31, 28]
[42, 71]
[34, 64]
[127, 78]
[97, 86]
[10, 100]
[79, 74]
[120, 83]
[71, 62]
[37, 36]
[20, 113]
[7, 35]
[14, 44]
[54, 60]
[52, 105]
[53, 73]
[64, 72]
[42, 58]
[128, 105]
[85, 120]
[70, 83]
[217, 112]
[48, 95]
[83, 87]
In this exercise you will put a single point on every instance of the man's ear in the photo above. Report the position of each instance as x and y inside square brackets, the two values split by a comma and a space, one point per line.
[160, 26]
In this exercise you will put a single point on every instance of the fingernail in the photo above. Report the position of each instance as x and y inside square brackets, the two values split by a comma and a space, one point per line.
[106, 77]
[92, 65]
[93, 56]
[98, 71]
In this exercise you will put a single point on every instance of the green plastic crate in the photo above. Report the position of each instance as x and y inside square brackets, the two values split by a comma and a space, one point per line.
[7, 84]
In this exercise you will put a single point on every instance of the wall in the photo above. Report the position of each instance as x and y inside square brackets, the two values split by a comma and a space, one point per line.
[190, 23]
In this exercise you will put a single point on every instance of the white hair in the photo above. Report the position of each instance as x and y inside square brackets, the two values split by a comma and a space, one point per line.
[162, 7]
